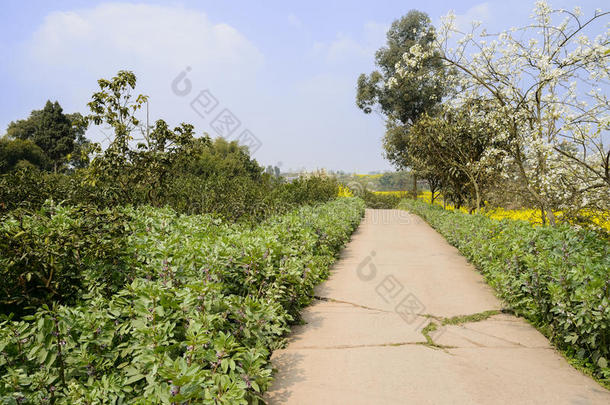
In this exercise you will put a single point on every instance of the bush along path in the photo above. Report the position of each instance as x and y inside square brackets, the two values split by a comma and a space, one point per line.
[556, 277]
[190, 313]
[404, 318]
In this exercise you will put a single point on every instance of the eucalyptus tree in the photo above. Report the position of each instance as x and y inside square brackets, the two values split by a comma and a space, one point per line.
[403, 103]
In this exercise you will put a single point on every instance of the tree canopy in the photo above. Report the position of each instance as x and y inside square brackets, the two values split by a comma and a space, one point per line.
[406, 101]
[58, 135]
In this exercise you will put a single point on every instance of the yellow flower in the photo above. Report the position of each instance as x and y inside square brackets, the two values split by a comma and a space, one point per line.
[344, 191]
[533, 216]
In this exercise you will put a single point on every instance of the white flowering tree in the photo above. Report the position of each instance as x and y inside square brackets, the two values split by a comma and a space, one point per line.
[544, 86]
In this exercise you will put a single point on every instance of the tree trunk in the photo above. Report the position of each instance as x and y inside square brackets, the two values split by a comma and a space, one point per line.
[414, 186]
[550, 216]
[478, 196]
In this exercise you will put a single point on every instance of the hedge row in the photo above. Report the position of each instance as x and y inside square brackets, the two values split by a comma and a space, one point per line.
[196, 321]
[556, 277]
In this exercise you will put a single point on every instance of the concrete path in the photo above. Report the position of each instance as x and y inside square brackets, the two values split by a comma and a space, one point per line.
[364, 338]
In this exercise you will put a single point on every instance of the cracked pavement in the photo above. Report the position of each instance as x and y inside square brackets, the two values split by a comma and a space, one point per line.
[363, 338]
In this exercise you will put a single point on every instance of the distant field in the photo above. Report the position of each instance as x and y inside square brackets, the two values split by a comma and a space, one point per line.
[530, 215]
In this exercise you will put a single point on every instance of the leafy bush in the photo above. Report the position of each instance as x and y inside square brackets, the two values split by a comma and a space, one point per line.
[556, 277]
[378, 200]
[230, 185]
[242, 198]
[208, 302]
[308, 190]
[18, 152]
[44, 254]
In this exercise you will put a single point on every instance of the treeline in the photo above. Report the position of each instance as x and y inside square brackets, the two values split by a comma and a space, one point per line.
[388, 181]
[47, 156]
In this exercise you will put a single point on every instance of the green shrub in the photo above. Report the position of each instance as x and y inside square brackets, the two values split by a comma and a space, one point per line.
[383, 201]
[556, 277]
[245, 196]
[208, 303]
[307, 190]
[16, 153]
[51, 254]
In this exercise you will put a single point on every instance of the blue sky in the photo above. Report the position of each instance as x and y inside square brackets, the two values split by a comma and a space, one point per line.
[286, 70]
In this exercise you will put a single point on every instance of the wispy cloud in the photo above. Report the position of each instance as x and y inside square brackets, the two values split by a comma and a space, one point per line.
[481, 12]
[345, 48]
[294, 21]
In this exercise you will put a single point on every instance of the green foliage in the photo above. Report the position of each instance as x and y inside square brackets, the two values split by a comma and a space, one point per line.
[387, 181]
[21, 154]
[399, 181]
[556, 277]
[113, 299]
[208, 302]
[453, 151]
[384, 201]
[44, 254]
[307, 190]
[52, 131]
[220, 157]
[408, 100]
[141, 173]
[28, 187]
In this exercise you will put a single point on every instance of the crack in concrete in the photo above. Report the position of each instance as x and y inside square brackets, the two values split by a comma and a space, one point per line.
[328, 299]
[474, 342]
[492, 336]
[458, 320]
[340, 347]
[398, 344]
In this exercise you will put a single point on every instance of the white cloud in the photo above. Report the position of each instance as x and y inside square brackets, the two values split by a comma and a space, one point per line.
[301, 121]
[71, 50]
[481, 12]
[341, 49]
[138, 32]
[345, 48]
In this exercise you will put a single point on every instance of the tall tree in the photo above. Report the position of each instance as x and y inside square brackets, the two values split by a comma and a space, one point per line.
[51, 130]
[405, 101]
[145, 169]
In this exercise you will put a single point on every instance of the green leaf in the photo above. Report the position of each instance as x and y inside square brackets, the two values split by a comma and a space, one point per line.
[134, 378]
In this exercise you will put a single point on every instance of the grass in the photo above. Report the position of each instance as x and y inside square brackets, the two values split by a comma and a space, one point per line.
[454, 320]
